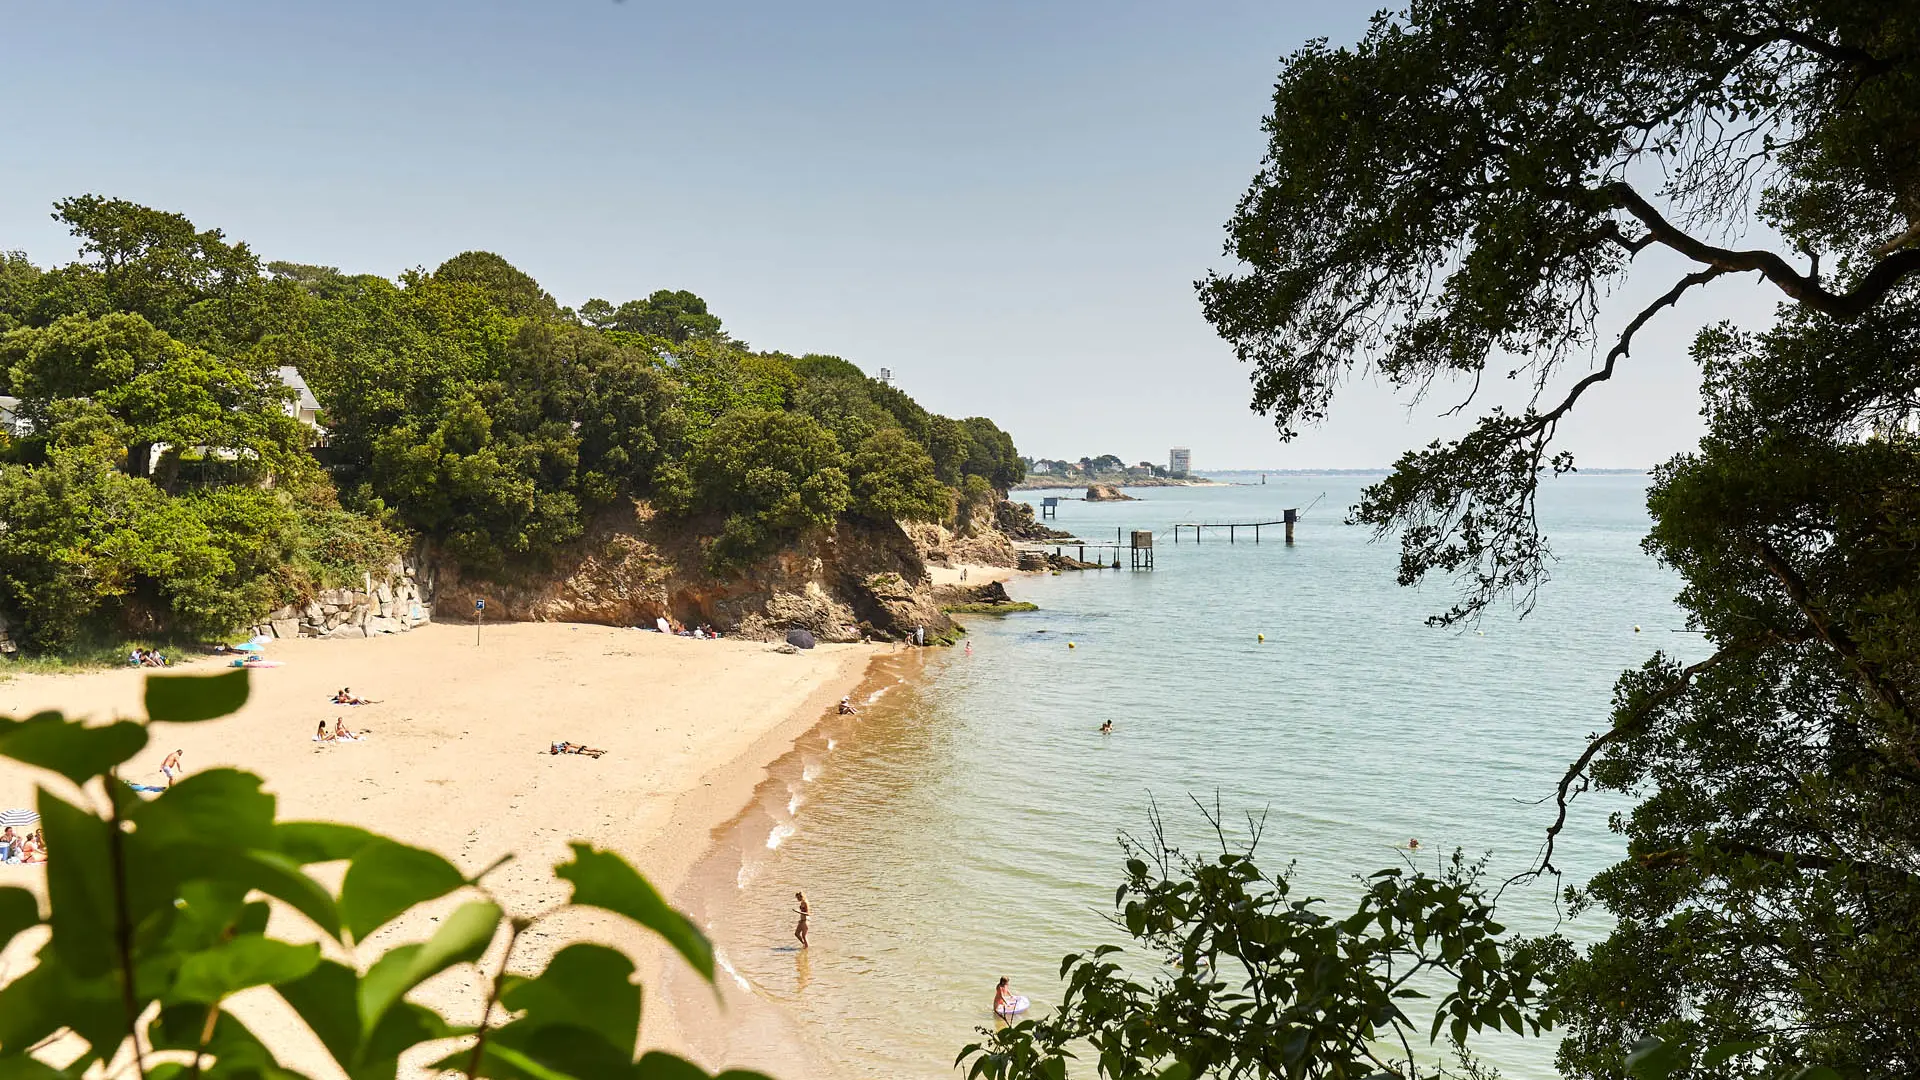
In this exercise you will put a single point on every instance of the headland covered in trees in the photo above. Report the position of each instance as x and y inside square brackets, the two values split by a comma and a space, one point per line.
[194, 437]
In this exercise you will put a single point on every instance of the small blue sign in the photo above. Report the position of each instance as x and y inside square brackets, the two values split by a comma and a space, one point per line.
[479, 605]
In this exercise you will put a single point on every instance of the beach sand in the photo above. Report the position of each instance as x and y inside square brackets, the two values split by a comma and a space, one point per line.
[457, 762]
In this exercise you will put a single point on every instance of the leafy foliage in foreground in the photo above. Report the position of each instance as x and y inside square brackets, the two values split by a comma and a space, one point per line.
[1253, 982]
[158, 918]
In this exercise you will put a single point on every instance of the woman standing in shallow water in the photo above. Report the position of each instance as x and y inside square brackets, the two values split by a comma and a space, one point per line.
[800, 928]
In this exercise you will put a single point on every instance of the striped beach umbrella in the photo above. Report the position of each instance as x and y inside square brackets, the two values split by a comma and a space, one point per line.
[19, 819]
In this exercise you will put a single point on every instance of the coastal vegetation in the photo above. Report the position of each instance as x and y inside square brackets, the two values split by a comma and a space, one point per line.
[159, 477]
[158, 916]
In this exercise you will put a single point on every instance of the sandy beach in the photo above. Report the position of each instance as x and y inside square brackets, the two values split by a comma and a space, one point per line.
[456, 761]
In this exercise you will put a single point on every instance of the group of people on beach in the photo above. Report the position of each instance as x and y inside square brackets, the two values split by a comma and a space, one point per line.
[14, 848]
[340, 733]
[146, 658]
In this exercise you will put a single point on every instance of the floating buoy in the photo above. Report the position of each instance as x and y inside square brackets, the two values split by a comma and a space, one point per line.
[1261, 637]
[1071, 645]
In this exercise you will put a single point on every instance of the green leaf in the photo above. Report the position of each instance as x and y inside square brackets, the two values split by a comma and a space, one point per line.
[583, 986]
[326, 999]
[186, 699]
[503, 1063]
[1657, 1059]
[604, 880]
[405, 1026]
[1817, 1072]
[233, 966]
[80, 885]
[386, 879]
[224, 807]
[566, 1050]
[70, 748]
[237, 1052]
[659, 1065]
[18, 911]
[320, 841]
[22, 1067]
[461, 938]
[1717, 1055]
[269, 871]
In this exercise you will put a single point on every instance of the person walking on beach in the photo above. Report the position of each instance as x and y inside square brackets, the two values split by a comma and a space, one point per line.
[800, 928]
[172, 766]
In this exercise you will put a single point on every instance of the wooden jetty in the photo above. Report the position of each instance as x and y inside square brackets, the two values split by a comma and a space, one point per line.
[1139, 546]
[1287, 519]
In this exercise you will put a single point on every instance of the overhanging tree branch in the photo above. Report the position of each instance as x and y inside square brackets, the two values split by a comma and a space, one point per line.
[1805, 288]
[1624, 726]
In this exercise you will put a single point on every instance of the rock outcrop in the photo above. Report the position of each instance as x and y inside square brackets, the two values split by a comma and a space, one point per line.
[860, 579]
[393, 603]
[1107, 493]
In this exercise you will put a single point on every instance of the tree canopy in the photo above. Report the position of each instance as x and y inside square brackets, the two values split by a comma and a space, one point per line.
[1456, 194]
[166, 481]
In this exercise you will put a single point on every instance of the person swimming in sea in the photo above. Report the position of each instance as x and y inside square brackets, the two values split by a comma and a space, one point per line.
[1106, 728]
[804, 910]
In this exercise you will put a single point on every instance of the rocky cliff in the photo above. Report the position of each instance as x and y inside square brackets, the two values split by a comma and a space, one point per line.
[860, 579]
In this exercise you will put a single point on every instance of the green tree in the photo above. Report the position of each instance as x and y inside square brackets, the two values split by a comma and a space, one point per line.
[1461, 187]
[773, 474]
[892, 480]
[55, 521]
[163, 391]
[1241, 978]
[673, 314]
[507, 287]
[158, 913]
[19, 293]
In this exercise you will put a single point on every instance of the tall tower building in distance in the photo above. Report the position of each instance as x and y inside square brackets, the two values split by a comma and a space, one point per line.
[1179, 461]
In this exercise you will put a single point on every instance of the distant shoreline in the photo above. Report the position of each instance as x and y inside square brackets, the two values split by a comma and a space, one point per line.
[1032, 484]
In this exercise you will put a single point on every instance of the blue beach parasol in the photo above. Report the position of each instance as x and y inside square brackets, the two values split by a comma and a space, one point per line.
[250, 646]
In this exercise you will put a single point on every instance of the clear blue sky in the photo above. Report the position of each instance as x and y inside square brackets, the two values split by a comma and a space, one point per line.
[1004, 203]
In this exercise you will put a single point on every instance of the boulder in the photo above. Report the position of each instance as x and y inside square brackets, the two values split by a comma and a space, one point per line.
[380, 624]
[384, 592]
[288, 612]
[285, 628]
[1107, 493]
[314, 612]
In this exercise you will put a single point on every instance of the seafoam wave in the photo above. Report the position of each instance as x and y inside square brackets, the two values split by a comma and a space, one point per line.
[778, 835]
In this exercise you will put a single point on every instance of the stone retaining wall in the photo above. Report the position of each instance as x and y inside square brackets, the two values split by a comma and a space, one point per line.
[400, 601]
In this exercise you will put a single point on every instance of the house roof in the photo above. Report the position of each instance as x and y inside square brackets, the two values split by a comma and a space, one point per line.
[290, 376]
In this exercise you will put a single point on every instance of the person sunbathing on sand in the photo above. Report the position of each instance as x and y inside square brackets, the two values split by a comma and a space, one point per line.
[342, 733]
[574, 748]
[345, 697]
[321, 735]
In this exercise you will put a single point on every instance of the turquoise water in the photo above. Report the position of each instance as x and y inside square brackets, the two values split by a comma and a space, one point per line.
[964, 827]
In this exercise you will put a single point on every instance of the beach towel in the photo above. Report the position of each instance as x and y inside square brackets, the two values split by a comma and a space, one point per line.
[149, 788]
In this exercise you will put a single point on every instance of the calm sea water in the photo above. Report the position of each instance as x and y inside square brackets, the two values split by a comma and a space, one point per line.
[964, 827]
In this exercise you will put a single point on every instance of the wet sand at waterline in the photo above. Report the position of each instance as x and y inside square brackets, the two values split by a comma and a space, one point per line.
[457, 762]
